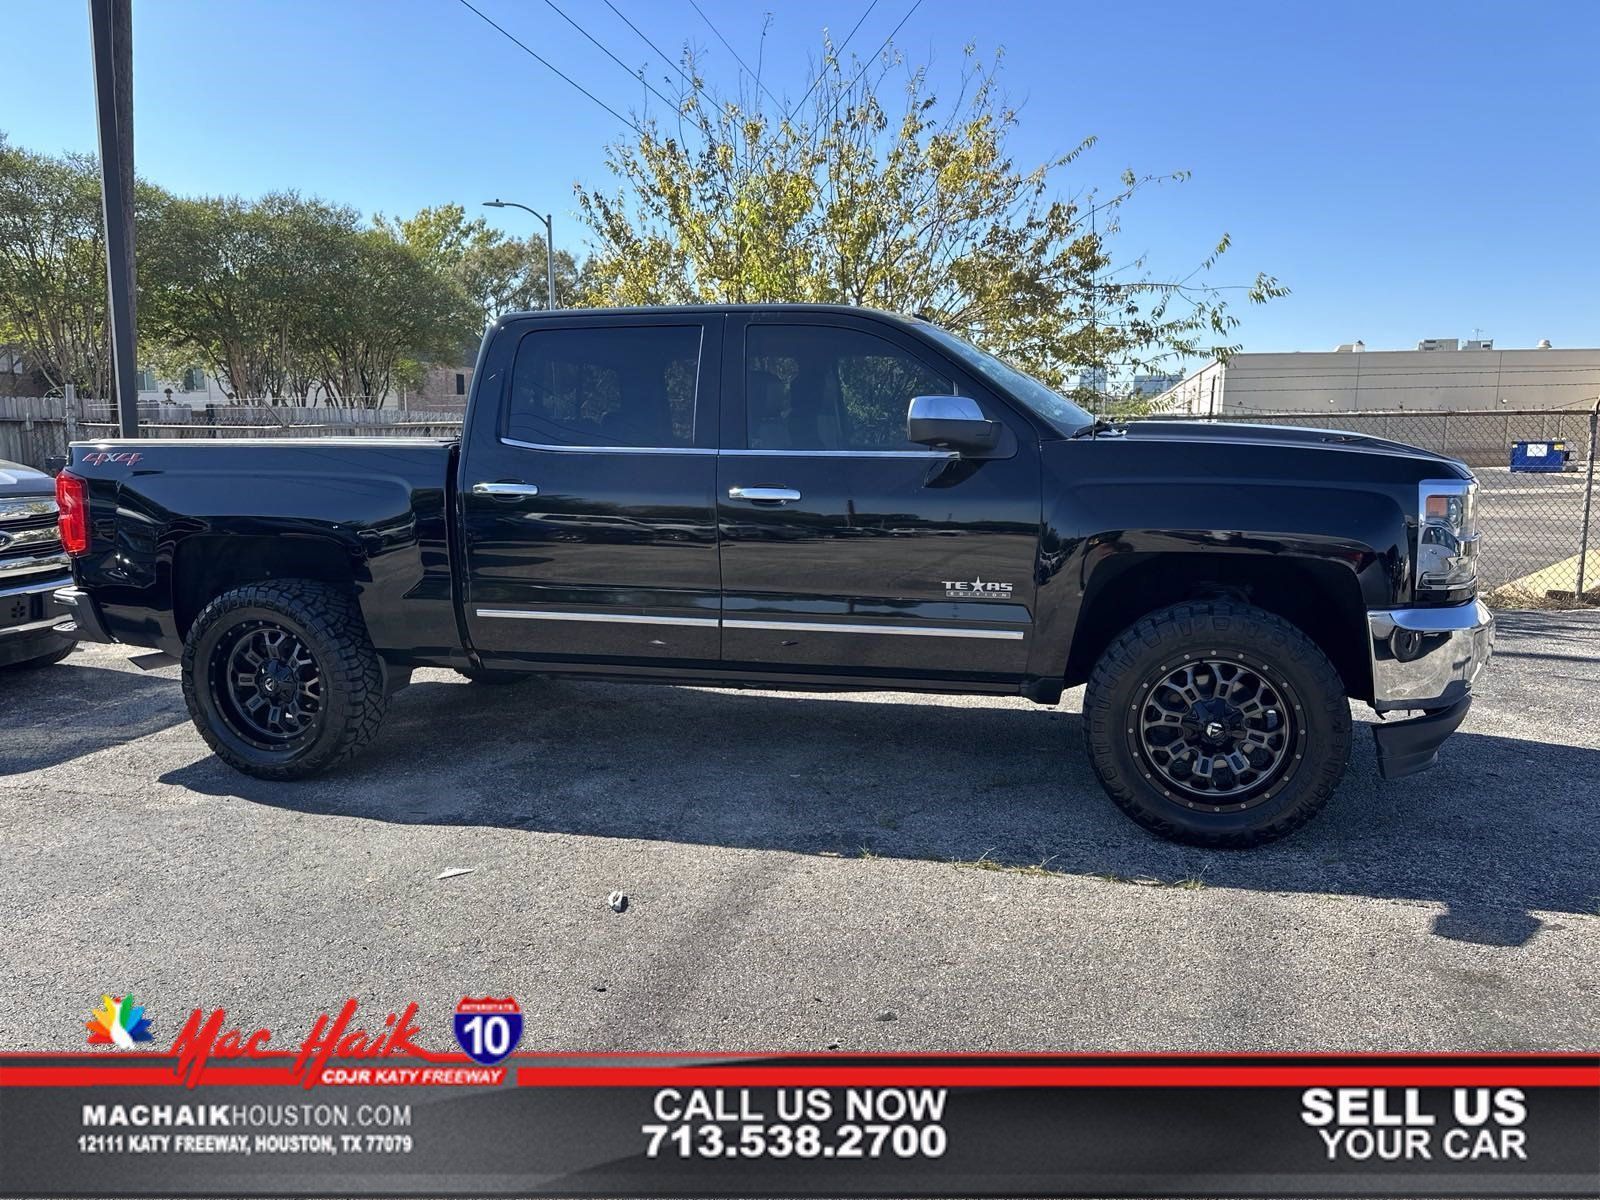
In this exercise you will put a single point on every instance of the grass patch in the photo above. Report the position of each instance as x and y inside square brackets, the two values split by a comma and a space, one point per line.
[1551, 600]
[984, 863]
[1043, 869]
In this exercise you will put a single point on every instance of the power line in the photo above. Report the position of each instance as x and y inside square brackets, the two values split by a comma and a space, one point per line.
[659, 52]
[841, 50]
[552, 67]
[875, 53]
[753, 75]
[596, 42]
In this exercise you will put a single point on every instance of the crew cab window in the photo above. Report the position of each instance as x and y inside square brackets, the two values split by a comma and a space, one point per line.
[611, 386]
[822, 387]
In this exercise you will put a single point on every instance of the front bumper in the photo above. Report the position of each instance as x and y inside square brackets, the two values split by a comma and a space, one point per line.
[30, 615]
[1425, 659]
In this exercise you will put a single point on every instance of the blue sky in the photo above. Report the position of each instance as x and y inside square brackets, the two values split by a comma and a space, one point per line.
[1409, 169]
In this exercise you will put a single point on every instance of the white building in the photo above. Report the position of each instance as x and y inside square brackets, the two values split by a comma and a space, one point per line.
[1435, 377]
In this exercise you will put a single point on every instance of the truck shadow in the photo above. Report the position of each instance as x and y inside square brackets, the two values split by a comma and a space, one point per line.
[1504, 827]
[51, 715]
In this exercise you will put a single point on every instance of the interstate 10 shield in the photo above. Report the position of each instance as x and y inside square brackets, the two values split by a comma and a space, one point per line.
[488, 1029]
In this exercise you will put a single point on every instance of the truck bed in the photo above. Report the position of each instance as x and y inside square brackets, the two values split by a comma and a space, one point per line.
[161, 510]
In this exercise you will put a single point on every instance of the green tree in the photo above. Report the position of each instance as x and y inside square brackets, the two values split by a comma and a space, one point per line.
[225, 282]
[53, 267]
[287, 296]
[379, 308]
[920, 210]
[495, 273]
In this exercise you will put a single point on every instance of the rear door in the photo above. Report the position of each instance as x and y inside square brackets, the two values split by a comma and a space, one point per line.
[586, 493]
[847, 550]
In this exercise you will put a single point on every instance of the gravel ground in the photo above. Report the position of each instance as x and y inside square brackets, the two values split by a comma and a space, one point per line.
[799, 867]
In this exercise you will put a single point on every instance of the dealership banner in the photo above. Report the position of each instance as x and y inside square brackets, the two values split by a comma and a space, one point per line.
[356, 1109]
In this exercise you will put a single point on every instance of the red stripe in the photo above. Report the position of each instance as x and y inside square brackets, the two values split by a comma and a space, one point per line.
[1309, 1075]
[1110, 1076]
[114, 1076]
[1066, 1058]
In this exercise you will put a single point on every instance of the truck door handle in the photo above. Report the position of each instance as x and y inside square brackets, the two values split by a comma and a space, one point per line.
[505, 491]
[763, 495]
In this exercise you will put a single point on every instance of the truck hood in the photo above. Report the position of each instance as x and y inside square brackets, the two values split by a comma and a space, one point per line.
[1230, 433]
[18, 481]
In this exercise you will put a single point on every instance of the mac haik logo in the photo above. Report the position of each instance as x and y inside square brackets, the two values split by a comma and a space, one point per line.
[976, 589]
[120, 1022]
[488, 1029]
[208, 1036]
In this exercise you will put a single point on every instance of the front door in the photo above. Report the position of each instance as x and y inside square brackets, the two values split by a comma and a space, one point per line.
[586, 493]
[847, 550]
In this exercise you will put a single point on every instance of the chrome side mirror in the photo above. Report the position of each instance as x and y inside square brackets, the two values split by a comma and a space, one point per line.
[950, 423]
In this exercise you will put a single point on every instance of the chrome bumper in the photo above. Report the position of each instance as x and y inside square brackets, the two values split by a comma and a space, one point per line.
[1428, 658]
[50, 613]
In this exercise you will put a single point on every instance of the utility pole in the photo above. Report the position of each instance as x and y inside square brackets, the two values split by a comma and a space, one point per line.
[111, 30]
[549, 245]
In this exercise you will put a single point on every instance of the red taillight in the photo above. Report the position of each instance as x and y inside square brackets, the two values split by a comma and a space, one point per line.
[72, 499]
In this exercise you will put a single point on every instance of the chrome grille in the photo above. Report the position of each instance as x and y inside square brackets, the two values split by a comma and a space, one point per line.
[28, 531]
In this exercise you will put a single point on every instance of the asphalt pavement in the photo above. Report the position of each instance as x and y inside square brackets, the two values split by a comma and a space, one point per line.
[803, 871]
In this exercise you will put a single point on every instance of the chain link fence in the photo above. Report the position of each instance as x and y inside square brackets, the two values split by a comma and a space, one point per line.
[1537, 501]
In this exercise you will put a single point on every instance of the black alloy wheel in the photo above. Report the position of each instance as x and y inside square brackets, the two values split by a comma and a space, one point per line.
[1217, 730]
[267, 685]
[1216, 723]
[281, 678]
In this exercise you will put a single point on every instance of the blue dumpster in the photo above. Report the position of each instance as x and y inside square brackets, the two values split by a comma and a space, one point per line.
[1539, 456]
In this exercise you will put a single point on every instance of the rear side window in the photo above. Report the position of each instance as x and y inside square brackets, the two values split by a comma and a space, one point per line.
[612, 386]
[822, 387]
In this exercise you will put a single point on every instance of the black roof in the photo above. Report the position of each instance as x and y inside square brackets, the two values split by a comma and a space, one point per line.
[702, 309]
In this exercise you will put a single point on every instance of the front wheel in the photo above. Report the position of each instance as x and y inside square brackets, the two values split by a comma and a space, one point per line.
[281, 679]
[1217, 724]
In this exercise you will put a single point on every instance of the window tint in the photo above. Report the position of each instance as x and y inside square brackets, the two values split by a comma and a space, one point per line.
[616, 386]
[818, 387]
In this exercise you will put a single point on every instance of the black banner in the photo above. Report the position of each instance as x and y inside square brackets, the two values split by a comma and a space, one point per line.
[151, 1125]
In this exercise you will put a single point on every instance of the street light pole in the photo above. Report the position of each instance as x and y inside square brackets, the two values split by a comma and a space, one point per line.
[549, 245]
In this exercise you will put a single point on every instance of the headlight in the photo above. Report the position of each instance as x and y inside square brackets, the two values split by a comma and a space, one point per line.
[1447, 535]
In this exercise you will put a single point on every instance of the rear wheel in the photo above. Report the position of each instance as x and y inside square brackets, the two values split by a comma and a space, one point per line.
[1217, 723]
[281, 678]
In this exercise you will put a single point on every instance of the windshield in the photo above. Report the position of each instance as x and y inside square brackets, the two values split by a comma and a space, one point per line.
[1059, 412]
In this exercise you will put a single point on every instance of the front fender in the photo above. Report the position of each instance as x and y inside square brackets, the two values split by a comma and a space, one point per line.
[1350, 542]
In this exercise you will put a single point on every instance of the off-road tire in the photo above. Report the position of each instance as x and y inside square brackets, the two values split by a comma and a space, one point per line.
[1267, 644]
[494, 678]
[328, 622]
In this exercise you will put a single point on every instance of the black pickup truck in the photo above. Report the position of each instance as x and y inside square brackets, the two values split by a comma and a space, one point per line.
[808, 497]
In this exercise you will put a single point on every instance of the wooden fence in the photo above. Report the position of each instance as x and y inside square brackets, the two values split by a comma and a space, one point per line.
[33, 429]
